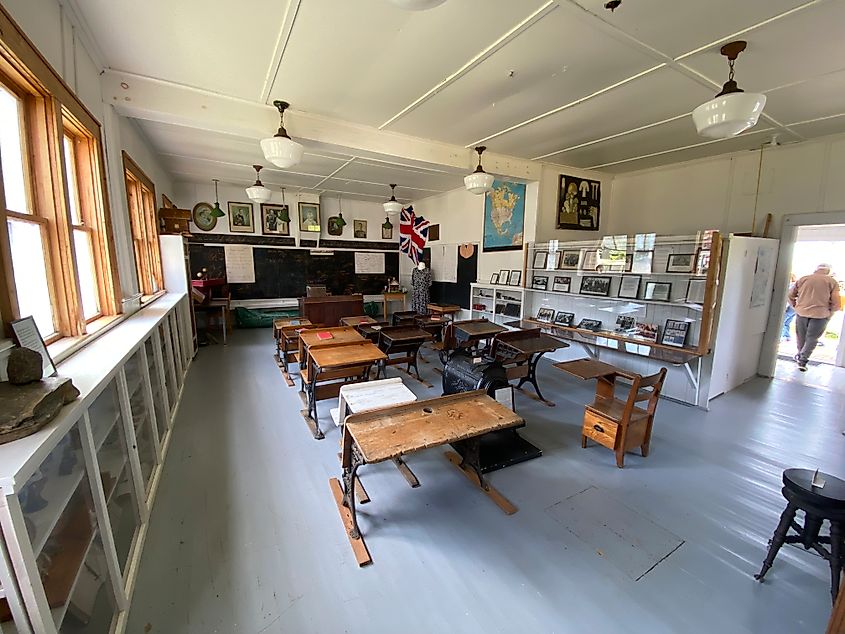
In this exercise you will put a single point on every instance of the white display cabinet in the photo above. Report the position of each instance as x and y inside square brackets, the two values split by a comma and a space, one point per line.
[500, 303]
[75, 497]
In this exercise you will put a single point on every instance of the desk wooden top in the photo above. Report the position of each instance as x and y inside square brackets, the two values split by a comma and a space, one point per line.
[405, 333]
[532, 342]
[479, 328]
[357, 321]
[443, 309]
[340, 335]
[291, 322]
[388, 433]
[587, 368]
[344, 356]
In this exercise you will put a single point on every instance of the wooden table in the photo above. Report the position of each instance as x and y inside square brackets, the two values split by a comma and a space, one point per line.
[357, 321]
[469, 333]
[392, 297]
[520, 351]
[443, 310]
[327, 366]
[372, 437]
[212, 305]
[404, 340]
[340, 335]
[587, 368]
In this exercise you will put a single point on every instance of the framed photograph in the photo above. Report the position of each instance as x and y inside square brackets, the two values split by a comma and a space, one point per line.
[702, 261]
[359, 228]
[387, 230]
[647, 331]
[629, 262]
[504, 274]
[504, 216]
[570, 259]
[675, 333]
[680, 263]
[540, 282]
[309, 217]
[562, 284]
[589, 260]
[27, 335]
[595, 285]
[625, 323]
[545, 314]
[658, 291]
[641, 261]
[629, 286]
[590, 324]
[515, 278]
[275, 220]
[494, 279]
[540, 258]
[240, 218]
[564, 319]
[695, 291]
[578, 203]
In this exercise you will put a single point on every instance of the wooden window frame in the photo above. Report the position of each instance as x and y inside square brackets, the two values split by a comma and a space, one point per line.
[140, 200]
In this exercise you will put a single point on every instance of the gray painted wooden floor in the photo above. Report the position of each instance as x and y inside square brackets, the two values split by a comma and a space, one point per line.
[245, 536]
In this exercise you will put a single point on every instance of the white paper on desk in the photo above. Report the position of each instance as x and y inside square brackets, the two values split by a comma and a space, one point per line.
[240, 268]
[369, 263]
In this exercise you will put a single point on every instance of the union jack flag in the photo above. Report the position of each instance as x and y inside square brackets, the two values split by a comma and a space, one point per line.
[413, 234]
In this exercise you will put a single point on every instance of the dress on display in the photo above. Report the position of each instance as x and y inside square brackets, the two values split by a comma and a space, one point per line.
[421, 283]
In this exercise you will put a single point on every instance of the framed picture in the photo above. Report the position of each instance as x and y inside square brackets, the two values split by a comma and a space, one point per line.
[387, 230]
[515, 278]
[359, 228]
[625, 323]
[545, 314]
[595, 285]
[275, 220]
[590, 324]
[562, 284]
[554, 260]
[504, 274]
[702, 261]
[540, 258]
[680, 263]
[240, 218]
[589, 259]
[629, 286]
[658, 291]
[540, 282]
[695, 291]
[494, 279]
[675, 333]
[578, 203]
[629, 262]
[564, 319]
[504, 216]
[309, 217]
[641, 261]
[647, 331]
[570, 259]
[28, 336]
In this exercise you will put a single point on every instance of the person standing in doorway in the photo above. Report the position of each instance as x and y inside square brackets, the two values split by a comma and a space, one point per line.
[815, 298]
[789, 315]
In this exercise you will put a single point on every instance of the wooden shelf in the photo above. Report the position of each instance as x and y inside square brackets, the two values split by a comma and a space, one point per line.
[696, 307]
[699, 276]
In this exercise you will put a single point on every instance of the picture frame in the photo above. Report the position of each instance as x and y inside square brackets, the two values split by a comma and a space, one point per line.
[562, 284]
[696, 289]
[680, 263]
[641, 261]
[647, 331]
[597, 285]
[272, 220]
[589, 260]
[629, 262]
[504, 217]
[658, 291]
[27, 335]
[553, 261]
[515, 278]
[702, 261]
[309, 217]
[241, 218]
[540, 258]
[494, 278]
[387, 230]
[540, 282]
[504, 274]
[675, 333]
[570, 260]
[625, 323]
[359, 229]
[593, 325]
[564, 319]
[578, 203]
[629, 286]
[546, 314]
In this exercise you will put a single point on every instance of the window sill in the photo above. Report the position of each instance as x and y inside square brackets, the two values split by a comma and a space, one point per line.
[148, 299]
[67, 346]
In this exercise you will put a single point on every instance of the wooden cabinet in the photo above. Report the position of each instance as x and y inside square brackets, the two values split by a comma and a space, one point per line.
[329, 309]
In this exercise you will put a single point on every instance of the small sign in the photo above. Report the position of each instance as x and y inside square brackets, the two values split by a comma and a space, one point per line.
[27, 335]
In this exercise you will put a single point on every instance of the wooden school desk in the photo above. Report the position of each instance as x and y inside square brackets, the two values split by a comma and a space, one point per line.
[446, 311]
[520, 351]
[357, 321]
[404, 341]
[379, 435]
[471, 333]
[286, 334]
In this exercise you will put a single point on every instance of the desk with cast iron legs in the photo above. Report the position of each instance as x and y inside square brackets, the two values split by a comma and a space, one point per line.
[520, 351]
[405, 341]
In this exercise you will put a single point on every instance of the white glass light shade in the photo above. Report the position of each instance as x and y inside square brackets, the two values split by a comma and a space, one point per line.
[479, 182]
[417, 5]
[392, 207]
[258, 193]
[727, 115]
[281, 151]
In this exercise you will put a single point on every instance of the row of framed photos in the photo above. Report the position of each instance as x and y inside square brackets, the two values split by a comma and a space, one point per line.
[506, 278]
[629, 287]
[619, 261]
[675, 331]
[275, 219]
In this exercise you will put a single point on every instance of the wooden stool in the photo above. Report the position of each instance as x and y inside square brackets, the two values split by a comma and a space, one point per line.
[819, 504]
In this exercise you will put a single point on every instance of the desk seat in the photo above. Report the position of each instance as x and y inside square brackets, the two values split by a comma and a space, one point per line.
[614, 409]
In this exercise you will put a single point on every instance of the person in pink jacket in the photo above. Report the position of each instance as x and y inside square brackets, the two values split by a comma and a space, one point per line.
[815, 298]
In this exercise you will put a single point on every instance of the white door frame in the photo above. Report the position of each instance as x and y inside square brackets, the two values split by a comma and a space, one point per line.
[788, 234]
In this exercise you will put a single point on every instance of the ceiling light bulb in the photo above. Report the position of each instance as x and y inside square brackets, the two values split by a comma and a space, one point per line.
[479, 182]
[416, 5]
[280, 149]
[258, 193]
[392, 206]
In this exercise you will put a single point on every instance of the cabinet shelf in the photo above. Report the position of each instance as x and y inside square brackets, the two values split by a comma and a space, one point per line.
[675, 304]
[700, 276]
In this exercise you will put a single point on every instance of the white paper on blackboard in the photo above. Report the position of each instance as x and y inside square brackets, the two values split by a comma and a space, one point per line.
[240, 268]
[369, 263]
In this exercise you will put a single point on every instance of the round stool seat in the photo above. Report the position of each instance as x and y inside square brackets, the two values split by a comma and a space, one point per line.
[830, 497]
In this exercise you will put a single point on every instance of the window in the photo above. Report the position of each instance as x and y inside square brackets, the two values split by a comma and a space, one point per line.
[140, 195]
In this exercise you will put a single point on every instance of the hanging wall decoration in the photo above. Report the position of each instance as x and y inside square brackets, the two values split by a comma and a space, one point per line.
[309, 217]
[240, 218]
[578, 203]
[504, 216]
[275, 220]
[359, 228]
[387, 230]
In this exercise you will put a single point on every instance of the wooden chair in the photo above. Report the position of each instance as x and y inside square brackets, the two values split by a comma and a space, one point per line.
[618, 424]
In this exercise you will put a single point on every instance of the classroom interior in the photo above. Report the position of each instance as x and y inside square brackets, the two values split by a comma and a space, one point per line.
[445, 315]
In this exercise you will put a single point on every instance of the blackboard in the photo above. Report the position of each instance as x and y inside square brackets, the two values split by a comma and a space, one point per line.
[455, 293]
[284, 273]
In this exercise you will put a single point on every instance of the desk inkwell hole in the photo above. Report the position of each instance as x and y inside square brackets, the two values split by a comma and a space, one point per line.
[427, 410]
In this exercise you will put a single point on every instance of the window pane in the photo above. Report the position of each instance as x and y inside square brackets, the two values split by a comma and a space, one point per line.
[72, 188]
[11, 152]
[87, 273]
[29, 264]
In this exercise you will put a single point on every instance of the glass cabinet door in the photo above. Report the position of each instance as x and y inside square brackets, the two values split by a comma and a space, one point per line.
[160, 401]
[169, 367]
[142, 416]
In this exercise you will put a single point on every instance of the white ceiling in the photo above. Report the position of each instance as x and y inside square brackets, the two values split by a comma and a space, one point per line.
[563, 81]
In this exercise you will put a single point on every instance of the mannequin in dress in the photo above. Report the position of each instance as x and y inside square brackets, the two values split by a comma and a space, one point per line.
[421, 283]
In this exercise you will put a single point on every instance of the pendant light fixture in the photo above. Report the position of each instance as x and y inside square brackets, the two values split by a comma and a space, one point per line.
[258, 193]
[280, 149]
[284, 216]
[216, 211]
[417, 5]
[479, 182]
[392, 206]
[731, 111]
